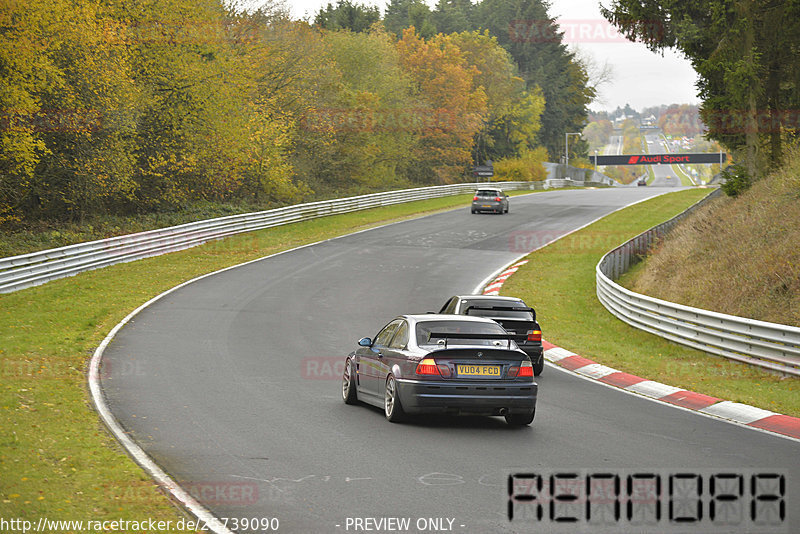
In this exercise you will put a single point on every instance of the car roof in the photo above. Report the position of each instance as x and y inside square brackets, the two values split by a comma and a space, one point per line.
[436, 317]
[488, 297]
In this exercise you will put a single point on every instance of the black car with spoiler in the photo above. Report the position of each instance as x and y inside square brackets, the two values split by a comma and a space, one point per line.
[442, 364]
[512, 314]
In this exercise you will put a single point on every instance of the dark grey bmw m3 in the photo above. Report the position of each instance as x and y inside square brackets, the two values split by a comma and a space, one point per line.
[442, 364]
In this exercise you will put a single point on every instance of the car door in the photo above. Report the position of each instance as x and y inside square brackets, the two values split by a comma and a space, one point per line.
[396, 354]
[370, 361]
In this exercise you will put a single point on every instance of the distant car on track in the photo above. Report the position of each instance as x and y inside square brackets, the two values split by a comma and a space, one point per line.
[512, 313]
[490, 199]
[641, 182]
[442, 364]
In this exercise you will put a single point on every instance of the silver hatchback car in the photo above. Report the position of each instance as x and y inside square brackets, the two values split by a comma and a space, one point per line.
[489, 199]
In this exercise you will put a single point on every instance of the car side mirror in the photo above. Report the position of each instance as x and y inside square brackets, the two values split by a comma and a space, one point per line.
[365, 342]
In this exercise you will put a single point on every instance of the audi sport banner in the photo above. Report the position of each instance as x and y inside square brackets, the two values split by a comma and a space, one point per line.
[655, 159]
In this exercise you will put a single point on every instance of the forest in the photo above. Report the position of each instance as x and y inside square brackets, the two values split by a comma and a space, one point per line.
[139, 106]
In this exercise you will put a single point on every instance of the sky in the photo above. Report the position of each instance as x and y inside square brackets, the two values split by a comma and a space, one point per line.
[638, 77]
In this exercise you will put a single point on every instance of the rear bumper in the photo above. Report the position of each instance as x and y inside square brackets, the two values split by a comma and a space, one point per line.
[487, 206]
[467, 398]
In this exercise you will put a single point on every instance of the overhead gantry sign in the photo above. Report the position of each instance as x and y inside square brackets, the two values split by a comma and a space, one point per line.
[657, 159]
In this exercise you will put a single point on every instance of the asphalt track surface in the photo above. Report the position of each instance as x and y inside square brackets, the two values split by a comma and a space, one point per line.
[232, 385]
[664, 175]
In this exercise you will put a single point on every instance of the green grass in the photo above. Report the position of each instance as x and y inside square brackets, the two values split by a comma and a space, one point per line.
[559, 281]
[651, 175]
[684, 178]
[56, 458]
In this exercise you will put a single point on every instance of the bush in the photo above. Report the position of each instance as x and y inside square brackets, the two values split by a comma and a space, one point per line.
[526, 168]
[736, 180]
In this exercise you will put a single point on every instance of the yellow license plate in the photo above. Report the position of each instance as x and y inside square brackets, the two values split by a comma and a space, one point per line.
[486, 206]
[479, 370]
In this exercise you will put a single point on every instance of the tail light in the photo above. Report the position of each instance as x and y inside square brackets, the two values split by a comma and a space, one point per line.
[428, 367]
[522, 370]
[498, 199]
[534, 335]
[526, 369]
[475, 197]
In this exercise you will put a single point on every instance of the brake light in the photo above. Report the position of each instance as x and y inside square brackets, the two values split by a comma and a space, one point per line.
[526, 369]
[534, 335]
[475, 197]
[498, 199]
[427, 367]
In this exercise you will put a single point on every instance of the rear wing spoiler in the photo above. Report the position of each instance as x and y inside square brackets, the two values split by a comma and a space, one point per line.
[483, 337]
[501, 308]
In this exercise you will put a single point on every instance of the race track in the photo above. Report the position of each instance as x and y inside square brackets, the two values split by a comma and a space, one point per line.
[231, 384]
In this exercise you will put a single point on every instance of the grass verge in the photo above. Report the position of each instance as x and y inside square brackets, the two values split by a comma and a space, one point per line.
[559, 281]
[56, 459]
[684, 178]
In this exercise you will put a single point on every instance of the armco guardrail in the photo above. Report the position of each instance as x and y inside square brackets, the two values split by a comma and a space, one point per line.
[19, 272]
[768, 345]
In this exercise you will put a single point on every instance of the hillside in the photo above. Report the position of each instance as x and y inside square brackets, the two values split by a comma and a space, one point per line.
[739, 256]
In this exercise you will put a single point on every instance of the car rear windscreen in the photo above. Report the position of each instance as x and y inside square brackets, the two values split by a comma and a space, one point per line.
[521, 315]
[487, 193]
[424, 329]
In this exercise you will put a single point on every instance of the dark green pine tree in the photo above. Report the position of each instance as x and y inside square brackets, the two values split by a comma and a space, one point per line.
[347, 15]
[453, 16]
[402, 14]
[526, 30]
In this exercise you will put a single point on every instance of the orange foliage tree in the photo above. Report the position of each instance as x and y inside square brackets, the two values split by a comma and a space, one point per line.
[451, 107]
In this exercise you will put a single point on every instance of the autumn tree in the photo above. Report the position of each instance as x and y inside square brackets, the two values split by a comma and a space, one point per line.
[532, 37]
[151, 105]
[370, 117]
[71, 108]
[597, 133]
[512, 118]
[452, 106]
